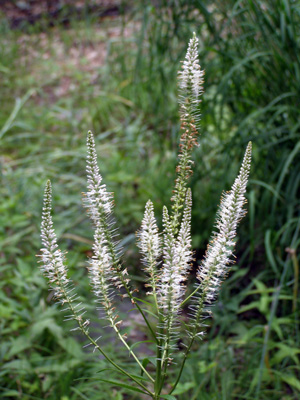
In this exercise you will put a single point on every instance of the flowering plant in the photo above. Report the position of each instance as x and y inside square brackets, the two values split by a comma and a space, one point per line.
[166, 256]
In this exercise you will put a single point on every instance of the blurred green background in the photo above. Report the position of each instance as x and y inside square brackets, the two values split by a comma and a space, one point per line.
[111, 66]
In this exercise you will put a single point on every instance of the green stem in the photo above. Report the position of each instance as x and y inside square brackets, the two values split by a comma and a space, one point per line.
[165, 354]
[191, 295]
[182, 365]
[133, 300]
[115, 365]
[157, 386]
[145, 319]
[183, 167]
[134, 356]
[85, 332]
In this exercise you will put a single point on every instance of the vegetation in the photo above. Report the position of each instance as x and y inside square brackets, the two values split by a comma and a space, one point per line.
[54, 90]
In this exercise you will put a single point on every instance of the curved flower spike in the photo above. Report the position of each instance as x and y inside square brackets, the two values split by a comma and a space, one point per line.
[214, 268]
[53, 263]
[99, 203]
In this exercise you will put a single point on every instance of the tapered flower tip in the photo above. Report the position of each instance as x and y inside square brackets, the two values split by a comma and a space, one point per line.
[48, 186]
[247, 158]
[249, 147]
[191, 76]
[166, 218]
[90, 138]
[149, 205]
[48, 194]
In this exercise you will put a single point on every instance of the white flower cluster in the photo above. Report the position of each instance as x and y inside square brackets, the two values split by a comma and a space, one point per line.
[170, 289]
[100, 275]
[219, 254]
[98, 200]
[190, 84]
[166, 258]
[177, 256]
[52, 258]
[53, 265]
[103, 268]
[191, 76]
[184, 239]
[150, 245]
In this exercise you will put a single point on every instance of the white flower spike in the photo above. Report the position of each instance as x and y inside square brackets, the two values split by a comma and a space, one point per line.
[166, 257]
[218, 257]
[53, 264]
[191, 76]
[150, 245]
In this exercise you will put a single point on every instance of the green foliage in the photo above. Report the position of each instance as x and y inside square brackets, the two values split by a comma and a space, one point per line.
[253, 75]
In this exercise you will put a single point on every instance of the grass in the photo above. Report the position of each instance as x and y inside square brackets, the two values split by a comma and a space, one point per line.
[117, 78]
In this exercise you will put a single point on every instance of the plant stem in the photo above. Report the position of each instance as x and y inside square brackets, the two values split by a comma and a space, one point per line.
[145, 319]
[85, 332]
[115, 365]
[133, 355]
[182, 365]
[157, 386]
[188, 298]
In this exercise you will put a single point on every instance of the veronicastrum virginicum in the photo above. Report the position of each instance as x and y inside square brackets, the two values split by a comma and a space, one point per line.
[166, 256]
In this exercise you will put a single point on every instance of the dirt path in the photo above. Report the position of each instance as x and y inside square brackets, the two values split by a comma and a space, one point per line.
[31, 11]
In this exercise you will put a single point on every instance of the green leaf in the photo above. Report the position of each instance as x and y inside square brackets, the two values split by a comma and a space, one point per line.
[142, 378]
[72, 347]
[19, 365]
[117, 371]
[81, 395]
[286, 351]
[145, 362]
[11, 393]
[204, 366]
[18, 345]
[123, 385]
[151, 359]
[18, 105]
[184, 387]
[143, 301]
[168, 397]
[269, 251]
[291, 380]
[48, 323]
[151, 313]
[137, 343]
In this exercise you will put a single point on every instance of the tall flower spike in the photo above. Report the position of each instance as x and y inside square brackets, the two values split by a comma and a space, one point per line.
[190, 88]
[184, 239]
[53, 263]
[150, 245]
[177, 257]
[99, 203]
[170, 290]
[220, 251]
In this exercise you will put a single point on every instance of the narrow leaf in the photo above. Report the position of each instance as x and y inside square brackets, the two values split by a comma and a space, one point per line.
[123, 385]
